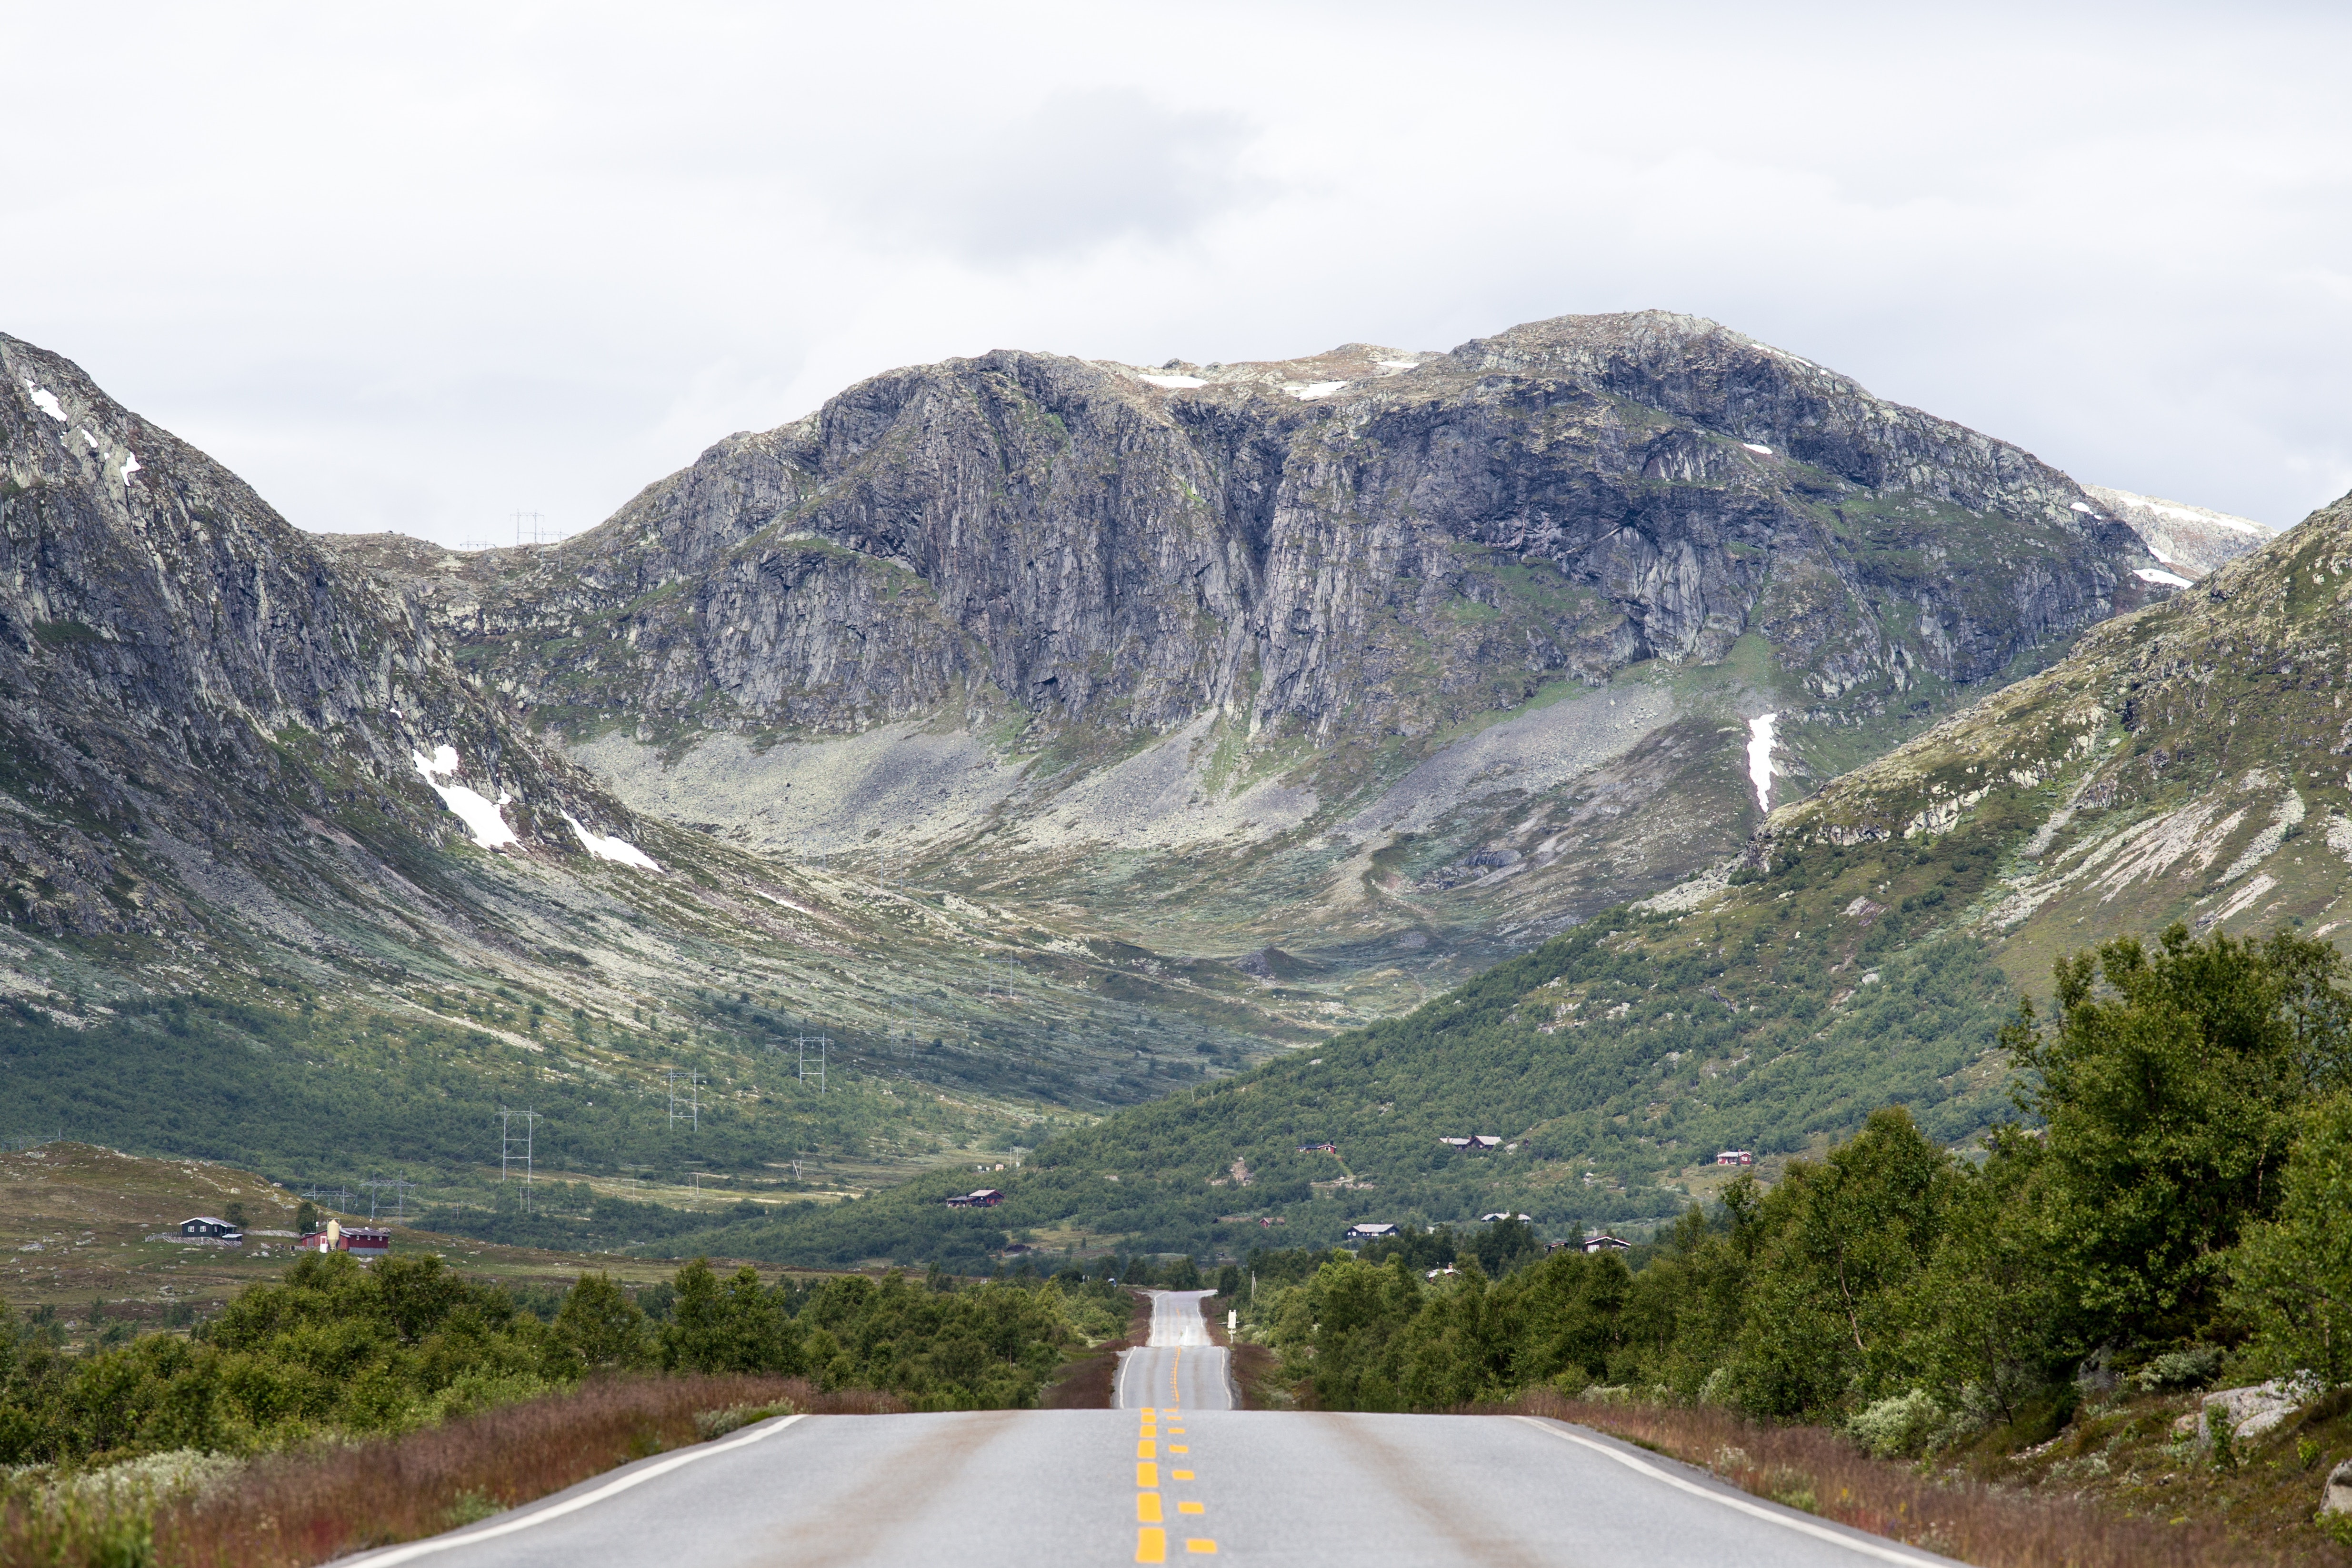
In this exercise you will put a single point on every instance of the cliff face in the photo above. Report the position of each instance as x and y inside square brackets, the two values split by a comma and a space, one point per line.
[1365, 541]
[2190, 541]
[233, 768]
[1338, 612]
[191, 693]
[2183, 763]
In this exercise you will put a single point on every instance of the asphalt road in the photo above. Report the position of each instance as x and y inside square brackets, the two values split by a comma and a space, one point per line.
[1153, 1483]
[1179, 1364]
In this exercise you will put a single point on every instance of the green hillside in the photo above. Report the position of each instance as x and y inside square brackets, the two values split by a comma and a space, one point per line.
[2184, 763]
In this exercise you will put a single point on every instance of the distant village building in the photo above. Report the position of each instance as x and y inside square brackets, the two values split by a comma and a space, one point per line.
[1490, 1219]
[1736, 1157]
[361, 1241]
[204, 1228]
[1606, 1244]
[984, 1197]
[1370, 1231]
[1318, 1148]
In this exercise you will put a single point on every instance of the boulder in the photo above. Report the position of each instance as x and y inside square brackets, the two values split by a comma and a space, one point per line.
[2337, 1496]
[2251, 1411]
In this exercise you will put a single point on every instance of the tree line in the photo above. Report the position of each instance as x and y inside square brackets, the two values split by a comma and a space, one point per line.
[2176, 1215]
[339, 1348]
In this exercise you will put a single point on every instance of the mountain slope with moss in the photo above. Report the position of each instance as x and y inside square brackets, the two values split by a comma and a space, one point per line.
[2185, 764]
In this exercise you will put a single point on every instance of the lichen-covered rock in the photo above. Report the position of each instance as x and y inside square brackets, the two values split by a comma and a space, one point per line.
[191, 691]
[1426, 538]
[2251, 1411]
[2335, 1496]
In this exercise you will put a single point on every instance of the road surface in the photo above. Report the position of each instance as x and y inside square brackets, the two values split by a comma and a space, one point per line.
[1178, 1364]
[1152, 1482]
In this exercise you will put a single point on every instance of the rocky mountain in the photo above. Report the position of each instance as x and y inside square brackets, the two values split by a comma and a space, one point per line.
[2185, 763]
[177, 657]
[2189, 540]
[1395, 660]
[1048, 733]
[237, 774]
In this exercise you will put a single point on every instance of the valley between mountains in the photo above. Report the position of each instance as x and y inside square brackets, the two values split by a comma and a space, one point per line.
[1617, 737]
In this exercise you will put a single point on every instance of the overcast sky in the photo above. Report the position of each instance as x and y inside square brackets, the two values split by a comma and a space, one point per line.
[420, 266]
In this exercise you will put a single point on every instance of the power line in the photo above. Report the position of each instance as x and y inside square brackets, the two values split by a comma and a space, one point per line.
[400, 1190]
[692, 1113]
[507, 1155]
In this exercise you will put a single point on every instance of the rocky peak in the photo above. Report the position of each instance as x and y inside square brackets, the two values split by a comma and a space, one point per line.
[1372, 538]
[182, 673]
[2187, 541]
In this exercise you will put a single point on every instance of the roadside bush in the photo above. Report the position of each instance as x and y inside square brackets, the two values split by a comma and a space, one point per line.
[1902, 1427]
[336, 1349]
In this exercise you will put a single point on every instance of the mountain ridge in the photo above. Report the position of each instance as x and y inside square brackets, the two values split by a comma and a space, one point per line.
[2184, 763]
[1063, 629]
[1388, 668]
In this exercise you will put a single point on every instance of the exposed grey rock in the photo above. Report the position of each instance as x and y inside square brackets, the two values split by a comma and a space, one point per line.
[1072, 540]
[191, 693]
[2252, 1410]
[2335, 1496]
[2189, 540]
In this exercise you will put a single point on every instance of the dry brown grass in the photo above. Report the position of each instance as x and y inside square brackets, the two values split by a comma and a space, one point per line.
[289, 1511]
[1816, 1470]
[1084, 1381]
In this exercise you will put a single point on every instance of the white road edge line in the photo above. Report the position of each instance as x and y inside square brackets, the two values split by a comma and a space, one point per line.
[635, 1477]
[1802, 1526]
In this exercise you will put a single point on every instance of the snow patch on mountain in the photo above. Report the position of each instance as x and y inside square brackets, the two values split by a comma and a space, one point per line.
[482, 816]
[606, 847]
[1759, 758]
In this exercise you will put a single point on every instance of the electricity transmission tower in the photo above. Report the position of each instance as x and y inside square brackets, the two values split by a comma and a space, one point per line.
[823, 1044]
[530, 529]
[400, 1190]
[508, 1155]
[691, 1113]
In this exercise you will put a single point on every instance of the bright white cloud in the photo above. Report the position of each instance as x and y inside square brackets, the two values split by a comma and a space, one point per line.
[535, 257]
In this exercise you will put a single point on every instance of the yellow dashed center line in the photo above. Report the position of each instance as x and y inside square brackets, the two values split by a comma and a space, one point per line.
[1150, 1537]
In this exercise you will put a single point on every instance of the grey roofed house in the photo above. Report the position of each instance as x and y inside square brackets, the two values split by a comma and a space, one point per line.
[1490, 1219]
[1370, 1230]
[1606, 1244]
[211, 1228]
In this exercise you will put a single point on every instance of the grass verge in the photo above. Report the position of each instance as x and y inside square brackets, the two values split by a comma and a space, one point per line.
[1257, 1380]
[1815, 1470]
[1084, 1381]
[304, 1507]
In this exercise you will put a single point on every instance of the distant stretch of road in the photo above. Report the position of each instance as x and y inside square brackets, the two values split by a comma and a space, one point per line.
[1159, 1480]
[1179, 1364]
